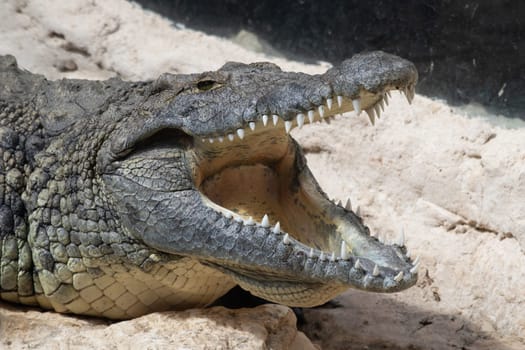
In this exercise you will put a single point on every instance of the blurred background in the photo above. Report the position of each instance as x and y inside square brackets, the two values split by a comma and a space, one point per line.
[468, 52]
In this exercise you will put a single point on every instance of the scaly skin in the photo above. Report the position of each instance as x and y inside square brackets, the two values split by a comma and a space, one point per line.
[121, 198]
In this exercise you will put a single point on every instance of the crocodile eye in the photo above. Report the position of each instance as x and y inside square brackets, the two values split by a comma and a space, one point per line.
[205, 85]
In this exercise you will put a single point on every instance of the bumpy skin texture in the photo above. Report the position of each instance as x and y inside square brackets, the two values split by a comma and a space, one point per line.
[100, 213]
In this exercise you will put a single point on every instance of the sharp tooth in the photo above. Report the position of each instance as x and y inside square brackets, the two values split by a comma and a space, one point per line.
[399, 276]
[210, 140]
[339, 100]
[339, 204]
[321, 111]
[380, 238]
[322, 257]
[371, 115]
[414, 269]
[357, 105]
[265, 119]
[407, 95]
[408, 254]
[382, 104]
[277, 228]
[286, 239]
[401, 238]
[228, 215]
[348, 205]
[329, 103]
[275, 119]
[311, 253]
[412, 93]
[288, 125]
[416, 261]
[378, 110]
[300, 120]
[252, 125]
[231, 137]
[389, 94]
[265, 221]
[357, 265]
[240, 133]
[221, 139]
[238, 219]
[249, 222]
[332, 257]
[375, 272]
[311, 115]
[385, 97]
[358, 211]
[344, 253]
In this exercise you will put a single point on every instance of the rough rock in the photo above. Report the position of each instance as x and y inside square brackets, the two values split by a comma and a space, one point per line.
[264, 327]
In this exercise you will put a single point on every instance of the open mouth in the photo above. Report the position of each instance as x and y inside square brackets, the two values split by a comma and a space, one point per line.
[257, 176]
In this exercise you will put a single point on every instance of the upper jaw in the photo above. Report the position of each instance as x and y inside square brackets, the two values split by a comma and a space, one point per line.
[288, 100]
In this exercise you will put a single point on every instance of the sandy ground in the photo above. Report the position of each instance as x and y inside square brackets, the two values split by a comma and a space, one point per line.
[455, 184]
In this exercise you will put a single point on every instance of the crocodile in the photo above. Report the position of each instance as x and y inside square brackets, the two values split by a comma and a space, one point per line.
[122, 198]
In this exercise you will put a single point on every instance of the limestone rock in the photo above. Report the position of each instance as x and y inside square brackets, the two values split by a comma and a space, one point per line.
[264, 327]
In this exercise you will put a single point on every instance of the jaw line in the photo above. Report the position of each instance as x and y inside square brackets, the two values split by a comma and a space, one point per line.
[365, 271]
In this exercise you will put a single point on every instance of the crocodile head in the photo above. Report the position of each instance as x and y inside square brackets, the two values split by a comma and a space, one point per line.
[207, 169]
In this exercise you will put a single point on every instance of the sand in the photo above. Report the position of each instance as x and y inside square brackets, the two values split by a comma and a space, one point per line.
[454, 183]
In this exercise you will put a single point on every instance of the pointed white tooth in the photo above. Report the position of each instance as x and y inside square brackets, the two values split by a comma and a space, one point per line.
[329, 103]
[228, 215]
[358, 211]
[311, 115]
[407, 95]
[371, 115]
[321, 111]
[277, 228]
[287, 126]
[408, 254]
[220, 138]
[401, 238]
[416, 261]
[265, 221]
[265, 119]
[240, 133]
[357, 265]
[348, 205]
[252, 125]
[275, 119]
[414, 269]
[339, 203]
[210, 140]
[344, 253]
[389, 94]
[375, 272]
[286, 239]
[399, 276]
[322, 257]
[231, 137]
[332, 257]
[339, 100]
[356, 103]
[300, 120]
[249, 222]
[380, 238]
[385, 97]
[382, 104]
[377, 109]
[311, 253]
